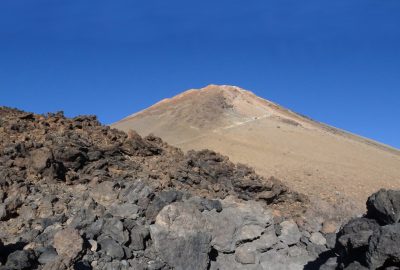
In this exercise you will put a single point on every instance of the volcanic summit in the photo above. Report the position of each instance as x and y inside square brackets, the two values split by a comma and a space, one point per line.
[309, 156]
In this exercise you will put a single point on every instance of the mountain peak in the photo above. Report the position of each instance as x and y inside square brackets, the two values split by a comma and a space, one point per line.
[212, 106]
[313, 158]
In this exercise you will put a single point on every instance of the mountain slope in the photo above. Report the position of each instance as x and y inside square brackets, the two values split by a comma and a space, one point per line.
[311, 157]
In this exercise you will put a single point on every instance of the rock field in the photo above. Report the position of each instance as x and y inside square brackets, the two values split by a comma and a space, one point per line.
[79, 195]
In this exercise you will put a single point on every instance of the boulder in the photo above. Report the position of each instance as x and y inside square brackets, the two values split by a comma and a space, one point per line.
[318, 239]
[290, 233]
[356, 234]
[329, 227]
[162, 199]
[40, 159]
[111, 248]
[237, 223]
[48, 255]
[104, 193]
[138, 236]
[245, 254]
[384, 247]
[275, 260]
[181, 237]
[68, 243]
[266, 241]
[384, 206]
[114, 229]
[125, 210]
[20, 260]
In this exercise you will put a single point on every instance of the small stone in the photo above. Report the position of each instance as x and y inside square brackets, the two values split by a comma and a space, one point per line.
[330, 240]
[58, 264]
[245, 255]
[137, 238]
[296, 251]
[68, 243]
[20, 259]
[329, 226]
[330, 264]
[3, 212]
[93, 245]
[126, 210]
[248, 233]
[111, 248]
[357, 266]
[290, 233]
[104, 193]
[114, 228]
[94, 264]
[266, 241]
[48, 255]
[318, 239]
[40, 159]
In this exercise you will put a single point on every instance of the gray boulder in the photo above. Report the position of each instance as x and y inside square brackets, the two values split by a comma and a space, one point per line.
[19, 260]
[111, 248]
[290, 233]
[318, 239]
[114, 228]
[138, 236]
[181, 237]
[276, 260]
[237, 223]
[48, 255]
[124, 210]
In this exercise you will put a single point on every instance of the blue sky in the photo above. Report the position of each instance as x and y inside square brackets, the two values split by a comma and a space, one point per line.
[336, 61]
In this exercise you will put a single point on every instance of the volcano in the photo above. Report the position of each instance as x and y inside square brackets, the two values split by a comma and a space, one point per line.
[310, 157]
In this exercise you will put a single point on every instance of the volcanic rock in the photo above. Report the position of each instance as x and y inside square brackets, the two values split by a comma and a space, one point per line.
[68, 243]
[181, 237]
[384, 206]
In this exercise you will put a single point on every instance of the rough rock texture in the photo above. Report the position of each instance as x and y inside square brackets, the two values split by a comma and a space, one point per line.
[78, 195]
[384, 247]
[384, 206]
[68, 243]
[181, 237]
[373, 241]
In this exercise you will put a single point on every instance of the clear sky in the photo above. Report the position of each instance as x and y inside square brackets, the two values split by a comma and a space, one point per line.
[336, 61]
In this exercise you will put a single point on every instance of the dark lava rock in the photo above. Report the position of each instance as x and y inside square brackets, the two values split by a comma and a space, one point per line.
[114, 228]
[384, 247]
[162, 199]
[368, 242]
[49, 254]
[181, 237]
[384, 206]
[356, 234]
[20, 259]
[112, 248]
[138, 238]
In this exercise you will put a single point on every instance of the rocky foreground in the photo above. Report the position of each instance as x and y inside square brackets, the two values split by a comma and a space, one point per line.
[79, 195]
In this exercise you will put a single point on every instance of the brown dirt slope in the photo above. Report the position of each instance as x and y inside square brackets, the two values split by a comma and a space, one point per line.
[310, 157]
